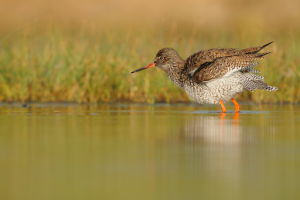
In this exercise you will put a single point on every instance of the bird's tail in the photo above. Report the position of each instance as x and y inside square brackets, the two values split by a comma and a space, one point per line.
[253, 81]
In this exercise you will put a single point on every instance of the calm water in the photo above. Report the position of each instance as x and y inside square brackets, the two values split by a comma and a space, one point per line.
[149, 152]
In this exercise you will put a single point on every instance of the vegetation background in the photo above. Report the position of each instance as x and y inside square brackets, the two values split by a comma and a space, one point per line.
[83, 51]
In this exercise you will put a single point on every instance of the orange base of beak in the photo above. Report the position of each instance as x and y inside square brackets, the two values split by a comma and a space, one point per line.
[151, 65]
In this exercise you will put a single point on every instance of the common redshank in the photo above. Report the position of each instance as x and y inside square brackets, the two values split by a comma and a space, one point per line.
[213, 76]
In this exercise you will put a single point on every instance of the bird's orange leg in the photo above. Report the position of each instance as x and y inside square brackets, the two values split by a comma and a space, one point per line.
[222, 106]
[236, 105]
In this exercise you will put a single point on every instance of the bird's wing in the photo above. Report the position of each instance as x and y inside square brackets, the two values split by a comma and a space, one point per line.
[254, 50]
[227, 65]
[205, 58]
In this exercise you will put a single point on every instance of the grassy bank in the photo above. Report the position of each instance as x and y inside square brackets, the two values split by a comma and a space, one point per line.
[92, 63]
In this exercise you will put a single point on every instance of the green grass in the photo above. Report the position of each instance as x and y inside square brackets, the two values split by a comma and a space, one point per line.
[92, 63]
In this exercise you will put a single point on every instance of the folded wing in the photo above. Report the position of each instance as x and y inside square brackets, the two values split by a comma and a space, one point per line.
[214, 63]
[227, 65]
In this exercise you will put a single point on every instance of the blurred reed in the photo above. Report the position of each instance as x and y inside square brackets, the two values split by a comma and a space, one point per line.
[90, 64]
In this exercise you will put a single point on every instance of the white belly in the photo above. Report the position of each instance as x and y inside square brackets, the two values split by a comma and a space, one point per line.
[213, 91]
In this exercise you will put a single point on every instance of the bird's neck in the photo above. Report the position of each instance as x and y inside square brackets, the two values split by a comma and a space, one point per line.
[175, 71]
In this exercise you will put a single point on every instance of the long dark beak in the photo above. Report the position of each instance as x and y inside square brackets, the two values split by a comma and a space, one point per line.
[146, 67]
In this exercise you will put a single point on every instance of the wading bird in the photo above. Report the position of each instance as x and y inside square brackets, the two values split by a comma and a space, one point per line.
[213, 76]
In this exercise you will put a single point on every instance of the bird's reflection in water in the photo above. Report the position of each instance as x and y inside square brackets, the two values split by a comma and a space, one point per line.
[214, 141]
[214, 129]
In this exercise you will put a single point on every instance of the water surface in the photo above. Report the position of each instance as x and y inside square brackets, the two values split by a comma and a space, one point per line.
[149, 152]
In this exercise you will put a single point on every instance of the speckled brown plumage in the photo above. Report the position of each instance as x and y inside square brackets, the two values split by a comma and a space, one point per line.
[210, 64]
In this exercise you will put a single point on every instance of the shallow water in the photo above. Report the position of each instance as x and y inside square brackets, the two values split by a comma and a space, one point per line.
[149, 152]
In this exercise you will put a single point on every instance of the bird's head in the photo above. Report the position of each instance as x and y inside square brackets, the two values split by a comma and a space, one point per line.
[164, 59]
